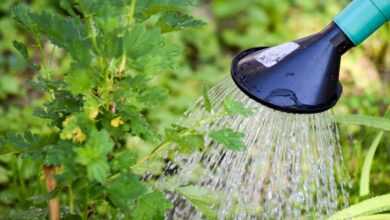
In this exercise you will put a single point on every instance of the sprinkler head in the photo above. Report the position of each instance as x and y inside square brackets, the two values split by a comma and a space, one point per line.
[295, 77]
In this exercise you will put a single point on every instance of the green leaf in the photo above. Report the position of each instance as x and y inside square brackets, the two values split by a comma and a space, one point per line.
[140, 41]
[373, 217]
[369, 121]
[21, 47]
[124, 190]
[138, 124]
[148, 50]
[147, 8]
[94, 155]
[67, 33]
[151, 206]
[233, 107]
[188, 140]
[124, 160]
[365, 176]
[229, 138]
[175, 21]
[24, 143]
[80, 81]
[203, 199]
[108, 16]
[100, 141]
[371, 206]
[153, 96]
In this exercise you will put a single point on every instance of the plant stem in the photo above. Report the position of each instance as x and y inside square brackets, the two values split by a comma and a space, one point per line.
[132, 11]
[51, 184]
[71, 200]
[156, 150]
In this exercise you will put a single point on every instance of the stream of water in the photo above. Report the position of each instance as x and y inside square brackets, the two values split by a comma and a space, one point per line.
[292, 167]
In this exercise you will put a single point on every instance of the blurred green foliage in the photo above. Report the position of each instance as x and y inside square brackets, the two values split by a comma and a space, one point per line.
[206, 54]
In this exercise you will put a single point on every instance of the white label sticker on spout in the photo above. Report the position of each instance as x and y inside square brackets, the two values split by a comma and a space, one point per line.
[270, 57]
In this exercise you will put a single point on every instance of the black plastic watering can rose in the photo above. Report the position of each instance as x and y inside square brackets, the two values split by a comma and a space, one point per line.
[303, 76]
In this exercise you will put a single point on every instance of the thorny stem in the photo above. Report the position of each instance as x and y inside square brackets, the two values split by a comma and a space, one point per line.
[51, 184]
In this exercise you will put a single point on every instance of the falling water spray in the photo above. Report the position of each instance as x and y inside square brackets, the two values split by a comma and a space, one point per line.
[292, 166]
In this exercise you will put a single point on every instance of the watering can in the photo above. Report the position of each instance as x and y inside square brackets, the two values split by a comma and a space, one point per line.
[302, 76]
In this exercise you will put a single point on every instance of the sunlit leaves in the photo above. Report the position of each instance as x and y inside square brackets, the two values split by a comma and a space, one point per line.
[106, 96]
[94, 155]
[230, 139]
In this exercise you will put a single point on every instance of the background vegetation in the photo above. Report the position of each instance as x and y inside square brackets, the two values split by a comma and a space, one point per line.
[204, 60]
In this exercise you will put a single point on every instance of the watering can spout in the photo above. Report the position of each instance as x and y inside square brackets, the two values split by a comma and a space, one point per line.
[303, 76]
[361, 18]
[299, 77]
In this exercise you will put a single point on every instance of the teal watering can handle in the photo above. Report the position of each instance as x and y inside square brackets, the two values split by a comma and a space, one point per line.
[362, 18]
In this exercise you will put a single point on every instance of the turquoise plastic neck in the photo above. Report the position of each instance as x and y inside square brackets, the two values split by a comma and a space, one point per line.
[362, 18]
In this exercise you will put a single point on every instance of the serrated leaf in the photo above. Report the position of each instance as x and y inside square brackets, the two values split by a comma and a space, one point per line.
[153, 96]
[151, 206]
[140, 41]
[67, 33]
[175, 21]
[203, 199]
[26, 142]
[80, 81]
[59, 154]
[147, 8]
[94, 155]
[187, 139]
[124, 160]
[139, 126]
[148, 50]
[230, 139]
[233, 107]
[124, 190]
[22, 49]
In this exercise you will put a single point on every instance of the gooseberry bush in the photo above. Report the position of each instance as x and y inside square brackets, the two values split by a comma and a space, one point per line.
[101, 153]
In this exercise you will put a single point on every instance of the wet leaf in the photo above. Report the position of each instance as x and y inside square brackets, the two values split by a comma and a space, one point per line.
[371, 206]
[151, 206]
[233, 107]
[230, 139]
